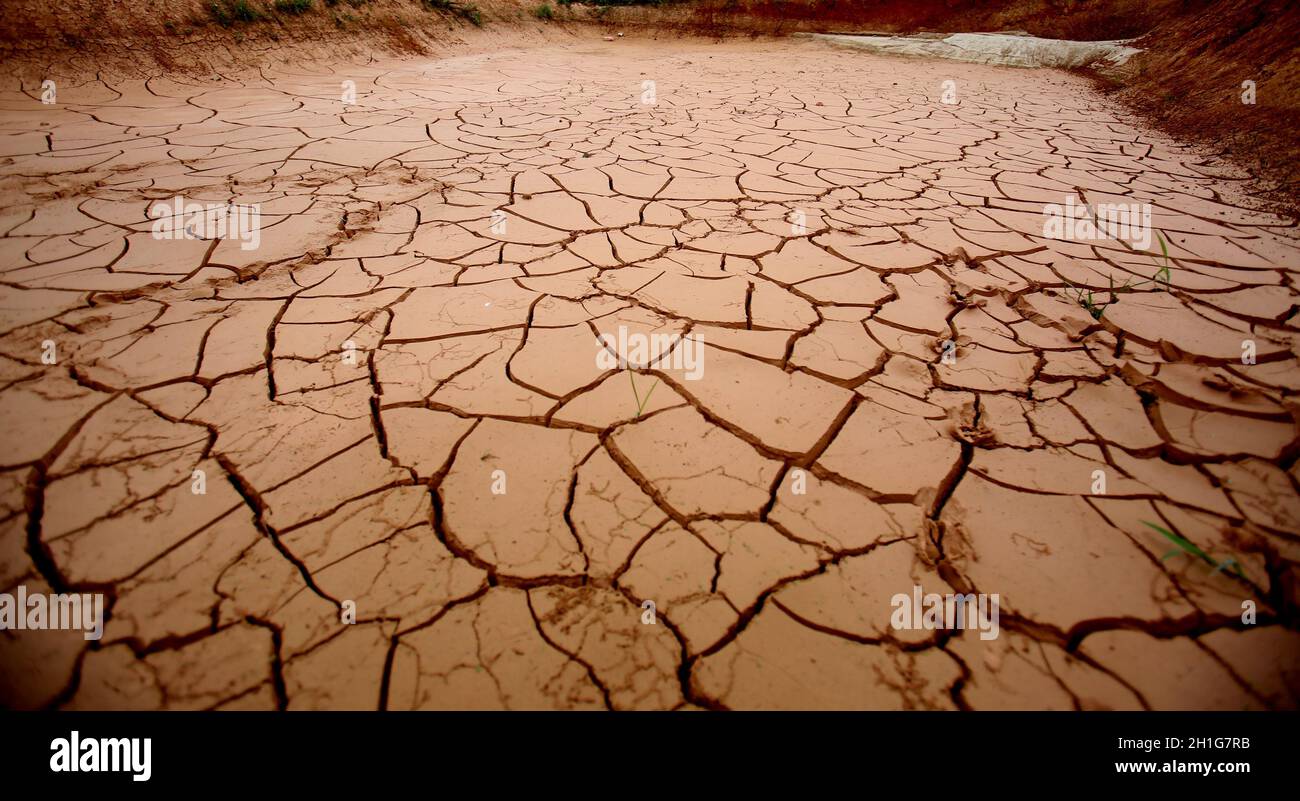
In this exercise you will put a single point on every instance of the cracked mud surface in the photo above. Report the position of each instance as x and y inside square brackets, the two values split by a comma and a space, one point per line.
[475, 344]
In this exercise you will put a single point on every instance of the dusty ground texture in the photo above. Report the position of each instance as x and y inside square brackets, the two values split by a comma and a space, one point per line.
[351, 388]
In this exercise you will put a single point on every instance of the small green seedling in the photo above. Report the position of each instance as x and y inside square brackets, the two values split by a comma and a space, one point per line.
[1229, 565]
[1163, 273]
[1085, 298]
[640, 404]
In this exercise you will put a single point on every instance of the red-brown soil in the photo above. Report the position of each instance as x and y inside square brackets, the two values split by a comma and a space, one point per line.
[381, 459]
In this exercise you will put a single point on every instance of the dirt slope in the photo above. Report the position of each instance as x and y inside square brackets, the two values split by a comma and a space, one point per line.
[1189, 82]
[125, 36]
[1062, 19]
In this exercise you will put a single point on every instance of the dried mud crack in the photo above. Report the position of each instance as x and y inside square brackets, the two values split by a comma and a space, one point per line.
[378, 460]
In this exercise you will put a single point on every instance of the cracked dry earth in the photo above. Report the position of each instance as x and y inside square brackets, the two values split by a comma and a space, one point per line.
[372, 483]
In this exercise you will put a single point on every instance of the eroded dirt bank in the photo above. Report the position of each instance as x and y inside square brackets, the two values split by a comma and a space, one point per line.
[399, 405]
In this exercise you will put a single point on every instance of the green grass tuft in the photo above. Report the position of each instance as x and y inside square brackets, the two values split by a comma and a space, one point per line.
[1162, 274]
[228, 12]
[1093, 304]
[1190, 548]
[468, 12]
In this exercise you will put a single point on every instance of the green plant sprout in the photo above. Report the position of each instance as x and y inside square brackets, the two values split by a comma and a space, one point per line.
[1163, 272]
[1085, 298]
[293, 6]
[468, 12]
[640, 404]
[1229, 565]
